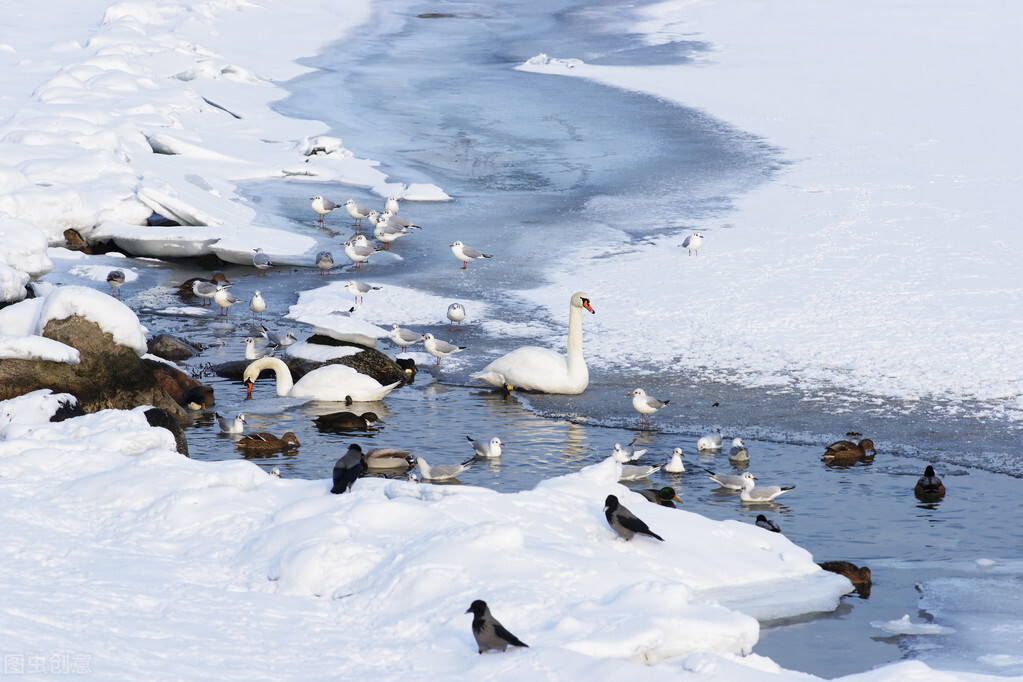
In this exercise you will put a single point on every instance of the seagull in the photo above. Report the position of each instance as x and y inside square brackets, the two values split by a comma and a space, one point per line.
[929, 485]
[276, 340]
[356, 211]
[709, 442]
[227, 425]
[254, 353]
[115, 279]
[262, 262]
[626, 454]
[358, 289]
[750, 493]
[324, 261]
[404, 337]
[624, 522]
[257, 305]
[634, 472]
[347, 469]
[205, 289]
[489, 450]
[666, 496]
[488, 631]
[441, 472]
[466, 253]
[693, 243]
[738, 453]
[391, 218]
[675, 466]
[387, 233]
[646, 405]
[392, 204]
[732, 482]
[767, 524]
[456, 313]
[224, 298]
[440, 349]
[322, 206]
[358, 253]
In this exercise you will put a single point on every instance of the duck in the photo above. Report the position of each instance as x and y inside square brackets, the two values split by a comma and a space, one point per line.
[738, 453]
[929, 485]
[330, 382]
[542, 370]
[347, 420]
[857, 575]
[267, 441]
[768, 524]
[847, 450]
[387, 458]
[675, 466]
[666, 496]
[709, 442]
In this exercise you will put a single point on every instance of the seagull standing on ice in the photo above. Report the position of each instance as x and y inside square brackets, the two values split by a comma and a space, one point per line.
[467, 253]
[224, 298]
[324, 261]
[750, 492]
[646, 405]
[359, 289]
[257, 305]
[404, 337]
[392, 204]
[440, 349]
[356, 211]
[456, 313]
[489, 450]
[488, 631]
[116, 280]
[693, 243]
[323, 206]
[624, 522]
[262, 262]
[205, 289]
[357, 253]
[387, 233]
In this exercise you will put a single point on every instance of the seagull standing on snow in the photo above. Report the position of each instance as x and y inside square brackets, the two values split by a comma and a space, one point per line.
[224, 298]
[488, 631]
[356, 211]
[227, 425]
[456, 313]
[646, 405]
[322, 206]
[347, 469]
[467, 253]
[257, 305]
[358, 289]
[440, 349]
[262, 262]
[624, 522]
[404, 337]
[693, 243]
[675, 466]
[116, 280]
[750, 492]
[488, 450]
[324, 261]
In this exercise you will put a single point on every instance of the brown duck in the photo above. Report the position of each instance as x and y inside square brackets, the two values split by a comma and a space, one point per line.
[929, 487]
[267, 441]
[346, 420]
[847, 451]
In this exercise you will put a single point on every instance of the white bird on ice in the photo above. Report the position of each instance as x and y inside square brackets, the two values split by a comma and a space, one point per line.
[692, 243]
[467, 253]
[440, 349]
[646, 405]
[456, 313]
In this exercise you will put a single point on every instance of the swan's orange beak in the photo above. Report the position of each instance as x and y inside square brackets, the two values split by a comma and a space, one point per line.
[586, 304]
[248, 390]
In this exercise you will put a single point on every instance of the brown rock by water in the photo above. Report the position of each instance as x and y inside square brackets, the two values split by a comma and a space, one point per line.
[108, 376]
[368, 361]
[171, 348]
[159, 417]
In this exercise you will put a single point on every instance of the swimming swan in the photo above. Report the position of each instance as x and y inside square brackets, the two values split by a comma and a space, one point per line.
[330, 382]
[539, 369]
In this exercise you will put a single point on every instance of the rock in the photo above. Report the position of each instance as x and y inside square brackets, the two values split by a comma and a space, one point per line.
[159, 417]
[67, 410]
[171, 348]
[109, 376]
[368, 361]
[76, 242]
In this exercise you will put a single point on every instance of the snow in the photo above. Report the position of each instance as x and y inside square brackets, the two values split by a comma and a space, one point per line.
[121, 552]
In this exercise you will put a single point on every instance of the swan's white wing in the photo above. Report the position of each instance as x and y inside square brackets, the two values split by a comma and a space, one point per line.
[336, 382]
[529, 368]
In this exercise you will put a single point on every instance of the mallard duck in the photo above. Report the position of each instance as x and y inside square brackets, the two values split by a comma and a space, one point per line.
[387, 458]
[267, 441]
[666, 496]
[347, 420]
[929, 485]
[847, 450]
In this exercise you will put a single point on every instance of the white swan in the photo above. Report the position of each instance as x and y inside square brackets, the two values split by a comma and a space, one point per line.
[330, 382]
[539, 369]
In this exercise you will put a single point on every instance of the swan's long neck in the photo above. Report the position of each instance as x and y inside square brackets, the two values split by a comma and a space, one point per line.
[281, 373]
[576, 363]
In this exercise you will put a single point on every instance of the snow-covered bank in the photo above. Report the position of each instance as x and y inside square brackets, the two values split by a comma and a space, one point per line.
[158, 546]
[882, 260]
